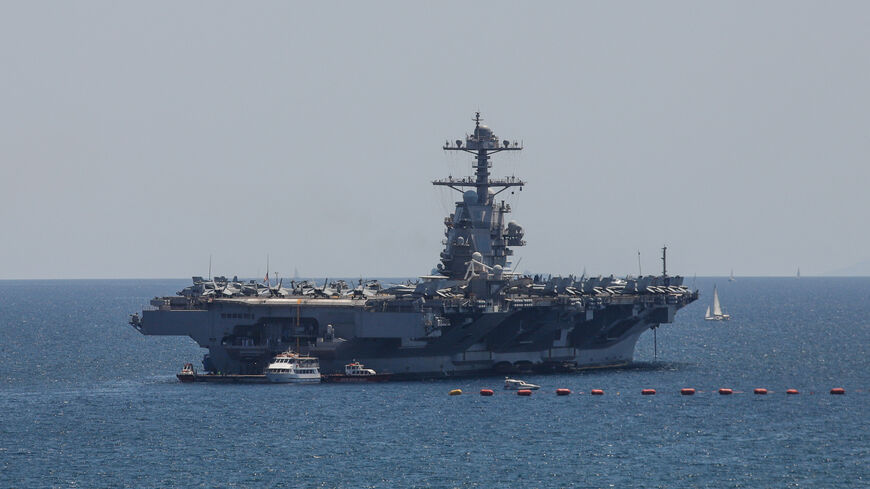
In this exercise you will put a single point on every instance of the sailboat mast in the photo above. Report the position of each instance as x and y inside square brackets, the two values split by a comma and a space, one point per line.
[717, 309]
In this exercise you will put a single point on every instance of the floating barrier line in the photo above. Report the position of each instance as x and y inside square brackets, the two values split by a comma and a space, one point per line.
[685, 391]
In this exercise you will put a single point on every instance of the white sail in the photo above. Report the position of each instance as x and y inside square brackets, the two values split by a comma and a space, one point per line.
[717, 309]
[707, 314]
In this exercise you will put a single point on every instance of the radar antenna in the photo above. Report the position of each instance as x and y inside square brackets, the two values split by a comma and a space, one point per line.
[482, 143]
[664, 261]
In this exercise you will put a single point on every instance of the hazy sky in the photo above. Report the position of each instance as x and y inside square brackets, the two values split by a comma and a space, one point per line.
[137, 139]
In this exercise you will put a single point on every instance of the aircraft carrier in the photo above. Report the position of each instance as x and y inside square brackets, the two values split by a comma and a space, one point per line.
[472, 315]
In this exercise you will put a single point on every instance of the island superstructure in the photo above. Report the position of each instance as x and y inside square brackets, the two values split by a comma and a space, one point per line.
[471, 315]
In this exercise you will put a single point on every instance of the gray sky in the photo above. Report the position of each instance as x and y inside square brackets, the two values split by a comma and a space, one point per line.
[137, 139]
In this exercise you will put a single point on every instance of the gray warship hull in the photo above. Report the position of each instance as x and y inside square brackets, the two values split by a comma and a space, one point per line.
[472, 315]
[416, 339]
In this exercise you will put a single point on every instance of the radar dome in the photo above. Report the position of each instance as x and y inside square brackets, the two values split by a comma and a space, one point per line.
[476, 256]
[497, 272]
[483, 132]
[470, 196]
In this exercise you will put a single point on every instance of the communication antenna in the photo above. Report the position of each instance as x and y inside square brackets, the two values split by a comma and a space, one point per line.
[209, 266]
[516, 268]
[664, 261]
[639, 273]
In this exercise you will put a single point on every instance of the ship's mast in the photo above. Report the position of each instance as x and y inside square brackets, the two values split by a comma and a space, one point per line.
[482, 144]
[664, 261]
[476, 231]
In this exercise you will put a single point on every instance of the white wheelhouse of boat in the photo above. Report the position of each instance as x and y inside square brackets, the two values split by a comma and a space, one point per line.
[356, 369]
[291, 368]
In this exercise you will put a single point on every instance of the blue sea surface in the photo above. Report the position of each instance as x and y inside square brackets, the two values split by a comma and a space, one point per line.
[88, 402]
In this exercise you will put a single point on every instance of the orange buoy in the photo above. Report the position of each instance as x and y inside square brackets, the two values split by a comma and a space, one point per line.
[688, 391]
[648, 392]
[838, 390]
[486, 392]
[792, 391]
[455, 392]
[760, 391]
[524, 392]
[563, 392]
[597, 392]
[725, 392]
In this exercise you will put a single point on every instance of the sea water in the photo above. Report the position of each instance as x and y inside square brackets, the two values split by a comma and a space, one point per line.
[86, 401]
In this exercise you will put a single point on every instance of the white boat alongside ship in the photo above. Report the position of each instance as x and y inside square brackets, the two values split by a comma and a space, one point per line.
[357, 372]
[292, 368]
[717, 314]
[187, 374]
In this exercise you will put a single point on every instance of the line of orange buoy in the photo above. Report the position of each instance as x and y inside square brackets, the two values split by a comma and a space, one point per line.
[686, 391]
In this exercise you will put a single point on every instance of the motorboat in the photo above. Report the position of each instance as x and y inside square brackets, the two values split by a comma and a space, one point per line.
[187, 374]
[516, 384]
[357, 372]
[291, 368]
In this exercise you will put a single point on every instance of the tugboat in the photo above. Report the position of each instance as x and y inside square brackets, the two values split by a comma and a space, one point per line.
[356, 372]
[187, 374]
[291, 368]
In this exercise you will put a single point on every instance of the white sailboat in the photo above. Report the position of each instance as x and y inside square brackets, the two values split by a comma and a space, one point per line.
[731, 278]
[717, 309]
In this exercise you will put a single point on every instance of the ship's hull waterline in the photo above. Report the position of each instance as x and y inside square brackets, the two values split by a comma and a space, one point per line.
[242, 335]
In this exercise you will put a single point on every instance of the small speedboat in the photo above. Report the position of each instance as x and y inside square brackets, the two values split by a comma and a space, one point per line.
[516, 384]
[292, 368]
[187, 374]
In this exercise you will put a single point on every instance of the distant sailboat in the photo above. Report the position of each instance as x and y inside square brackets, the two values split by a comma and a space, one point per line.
[717, 309]
[799, 273]
[731, 278]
